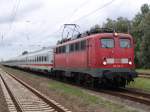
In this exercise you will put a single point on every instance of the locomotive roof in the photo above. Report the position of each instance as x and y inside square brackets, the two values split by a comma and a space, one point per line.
[103, 35]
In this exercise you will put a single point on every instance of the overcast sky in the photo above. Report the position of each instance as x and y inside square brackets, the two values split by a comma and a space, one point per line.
[32, 24]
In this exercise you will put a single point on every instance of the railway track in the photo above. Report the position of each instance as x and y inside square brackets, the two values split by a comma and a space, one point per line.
[142, 75]
[129, 94]
[20, 97]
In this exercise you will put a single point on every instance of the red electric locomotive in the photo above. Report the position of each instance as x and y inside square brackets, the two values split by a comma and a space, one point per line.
[97, 59]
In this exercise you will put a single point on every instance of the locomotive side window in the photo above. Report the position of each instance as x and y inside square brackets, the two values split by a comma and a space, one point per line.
[83, 45]
[76, 46]
[63, 49]
[71, 47]
[57, 50]
[107, 43]
[67, 48]
[125, 43]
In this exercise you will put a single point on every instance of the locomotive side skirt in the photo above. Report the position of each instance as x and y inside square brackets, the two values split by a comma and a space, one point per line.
[109, 73]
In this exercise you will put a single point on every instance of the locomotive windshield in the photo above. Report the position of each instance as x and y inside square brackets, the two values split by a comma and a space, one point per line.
[107, 43]
[125, 43]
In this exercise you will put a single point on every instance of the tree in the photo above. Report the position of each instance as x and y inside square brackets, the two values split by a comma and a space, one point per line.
[138, 32]
[145, 9]
[109, 23]
[146, 41]
[119, 25]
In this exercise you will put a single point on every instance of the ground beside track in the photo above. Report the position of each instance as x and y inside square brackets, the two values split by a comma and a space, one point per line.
[75, 98]
[3, 105]
[141, 83]
[143, 71]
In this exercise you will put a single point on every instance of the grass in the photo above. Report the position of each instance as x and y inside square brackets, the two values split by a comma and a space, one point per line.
[88, 98]
[143, 71]
[141, 83]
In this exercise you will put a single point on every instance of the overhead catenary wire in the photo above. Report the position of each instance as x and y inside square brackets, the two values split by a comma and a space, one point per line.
[100, 8]
[94, 11]
[72, 14]
[76, 9]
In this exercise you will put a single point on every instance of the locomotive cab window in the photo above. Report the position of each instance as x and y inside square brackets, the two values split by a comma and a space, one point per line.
[125, 43]
[107, 43]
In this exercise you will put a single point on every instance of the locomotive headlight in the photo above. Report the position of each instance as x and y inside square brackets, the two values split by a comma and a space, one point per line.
[115, 34]
[130, 62]
[104, 62]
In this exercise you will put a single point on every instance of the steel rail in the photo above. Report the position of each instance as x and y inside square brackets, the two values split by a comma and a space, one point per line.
[130, 95]
[51, 103]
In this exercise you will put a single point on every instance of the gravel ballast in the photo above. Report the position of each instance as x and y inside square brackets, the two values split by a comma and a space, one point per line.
[3, 105]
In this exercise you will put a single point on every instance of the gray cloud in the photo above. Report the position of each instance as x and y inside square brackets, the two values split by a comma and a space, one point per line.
[21, 11]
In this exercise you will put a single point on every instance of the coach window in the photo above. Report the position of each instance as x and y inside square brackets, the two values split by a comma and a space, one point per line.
[107, 43]
[125, 43]
[40, 58]
[36, 58]
[45, 58]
